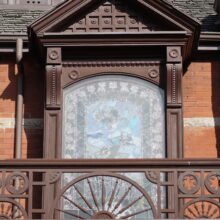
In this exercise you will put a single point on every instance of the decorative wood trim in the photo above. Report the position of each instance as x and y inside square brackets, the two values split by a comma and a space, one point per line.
[148, 70]
[52, 134]
[174, 54]
[174, 133]
[70, 9]
[131, 164]
[54, 55]
[48, 28]
[174, 85]
[174, 77]
[53, 78]
[125, 63]
[53, 88]
[174, 103]
[115, 16]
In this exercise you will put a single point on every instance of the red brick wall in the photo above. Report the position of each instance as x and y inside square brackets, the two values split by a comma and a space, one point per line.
[201, 85]
[201, 93]
[33, 107]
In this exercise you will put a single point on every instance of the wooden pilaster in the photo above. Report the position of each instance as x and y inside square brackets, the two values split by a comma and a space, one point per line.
[52, 136]
[174, 103]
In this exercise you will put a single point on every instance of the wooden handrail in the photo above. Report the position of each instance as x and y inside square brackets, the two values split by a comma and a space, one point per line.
[71, 163]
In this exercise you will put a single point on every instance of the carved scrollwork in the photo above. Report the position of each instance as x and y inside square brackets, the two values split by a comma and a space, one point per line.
[54, 177]
[152, 176]
[17, 183]
[201, 209]
[212, 182]
[189, 183]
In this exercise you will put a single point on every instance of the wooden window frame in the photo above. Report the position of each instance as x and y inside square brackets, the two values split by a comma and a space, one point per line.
[59, 76]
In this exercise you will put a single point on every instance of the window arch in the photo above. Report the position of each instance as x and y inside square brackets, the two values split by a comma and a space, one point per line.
[113, 116]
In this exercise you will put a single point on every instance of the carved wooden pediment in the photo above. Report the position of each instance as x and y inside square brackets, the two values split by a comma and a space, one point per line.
[116, 16]
[119, 16]
[115, 23]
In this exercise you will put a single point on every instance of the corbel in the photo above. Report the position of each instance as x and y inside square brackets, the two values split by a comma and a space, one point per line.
[174, 102]
[174, 77]
[53, 78]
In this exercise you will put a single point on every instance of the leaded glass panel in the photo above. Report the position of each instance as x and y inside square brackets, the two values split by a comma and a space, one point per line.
[113, 116]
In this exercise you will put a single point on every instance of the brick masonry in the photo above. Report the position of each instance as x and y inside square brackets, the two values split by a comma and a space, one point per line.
[32, 139]
[201, 109]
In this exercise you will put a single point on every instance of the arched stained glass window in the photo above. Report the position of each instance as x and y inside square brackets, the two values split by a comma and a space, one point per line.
[113, 116]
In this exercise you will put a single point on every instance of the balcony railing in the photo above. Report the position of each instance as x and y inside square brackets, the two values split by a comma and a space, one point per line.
[116, 189]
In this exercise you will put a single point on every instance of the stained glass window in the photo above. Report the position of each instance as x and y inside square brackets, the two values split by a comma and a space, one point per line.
[113, 116]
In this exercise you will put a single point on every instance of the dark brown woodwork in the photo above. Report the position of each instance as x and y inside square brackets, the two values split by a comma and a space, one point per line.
[174, 133]
[195, 186]
[53, 88]
[53, 78]
[174, 103]
[174, 84]
[109, 164]
[145, 39]
[52, 134]
[165, 25]
[74, 71]
[115, 16]
[54, 55]
[174, 116]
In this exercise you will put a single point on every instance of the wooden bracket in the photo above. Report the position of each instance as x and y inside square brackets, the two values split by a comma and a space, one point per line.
[174, 85]
[53, 78]
[174, 77]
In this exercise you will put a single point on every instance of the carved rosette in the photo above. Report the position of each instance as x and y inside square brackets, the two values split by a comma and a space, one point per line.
[189, 183]
[174, 55]
[54, 55]
[17, 183]
[74, 74]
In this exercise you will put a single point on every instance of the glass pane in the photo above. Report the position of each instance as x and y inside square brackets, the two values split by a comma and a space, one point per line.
[113, 117]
